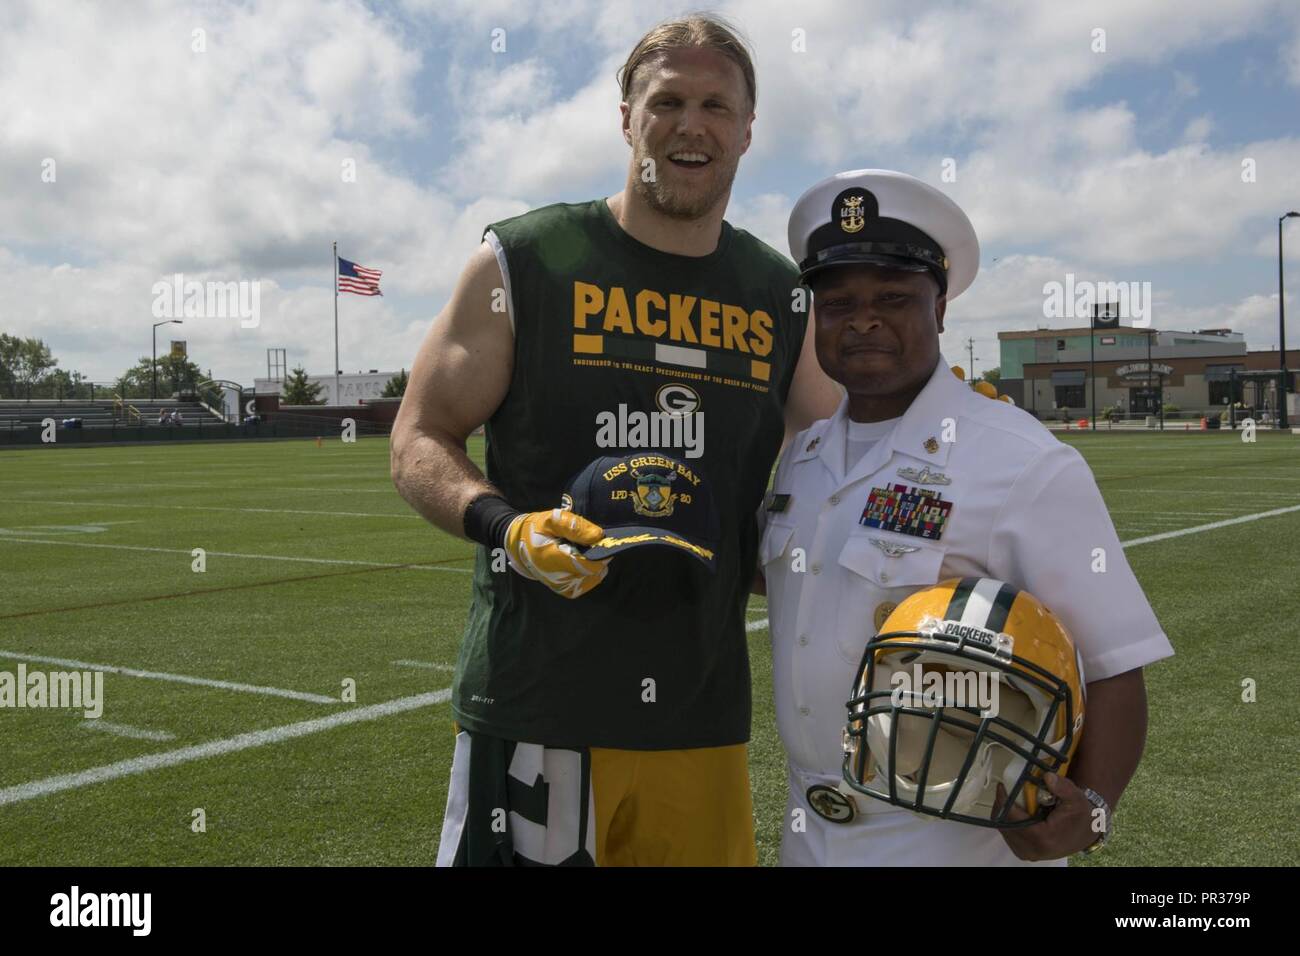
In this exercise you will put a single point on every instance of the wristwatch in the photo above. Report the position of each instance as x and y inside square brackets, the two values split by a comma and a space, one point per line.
[1099, 802]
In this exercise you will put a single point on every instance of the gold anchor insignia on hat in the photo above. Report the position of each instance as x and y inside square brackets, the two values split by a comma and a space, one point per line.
[931, 444]
[851, 217]
[813, 444]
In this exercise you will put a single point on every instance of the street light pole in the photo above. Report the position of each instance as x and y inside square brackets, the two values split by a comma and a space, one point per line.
[153, 364]
[1281, 326]
[1148, 401]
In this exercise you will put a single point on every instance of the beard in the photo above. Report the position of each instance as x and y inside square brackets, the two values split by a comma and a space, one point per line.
[679, 199]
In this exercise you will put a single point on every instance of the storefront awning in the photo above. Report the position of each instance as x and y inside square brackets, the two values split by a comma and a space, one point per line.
[1067, 377]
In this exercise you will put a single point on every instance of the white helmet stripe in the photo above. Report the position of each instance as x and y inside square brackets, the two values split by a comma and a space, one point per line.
[980, 603]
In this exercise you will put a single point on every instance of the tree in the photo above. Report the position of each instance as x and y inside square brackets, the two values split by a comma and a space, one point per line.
[23, 363]
[10, 346]
[299, 391]
[129, 385]
[993, 376]
[29, 370]
[396, 386]
[59, 383]
[174, 375]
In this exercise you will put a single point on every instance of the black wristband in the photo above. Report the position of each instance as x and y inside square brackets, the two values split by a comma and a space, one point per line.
[486, 519]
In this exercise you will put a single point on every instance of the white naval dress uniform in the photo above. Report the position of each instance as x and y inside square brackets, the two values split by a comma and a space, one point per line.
[1025, 510]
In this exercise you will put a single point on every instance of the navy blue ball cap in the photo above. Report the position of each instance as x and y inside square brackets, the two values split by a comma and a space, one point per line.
[647, 498]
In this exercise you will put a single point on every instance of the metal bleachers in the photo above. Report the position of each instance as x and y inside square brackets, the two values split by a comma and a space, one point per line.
[17, 413]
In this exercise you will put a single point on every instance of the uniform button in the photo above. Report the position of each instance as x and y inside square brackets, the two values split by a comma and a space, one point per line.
[835, 499]
[804, 711]
[884, 576]
[816, 569]
[803, 639]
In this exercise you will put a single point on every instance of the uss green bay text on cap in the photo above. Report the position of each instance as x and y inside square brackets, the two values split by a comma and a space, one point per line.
[648, 498]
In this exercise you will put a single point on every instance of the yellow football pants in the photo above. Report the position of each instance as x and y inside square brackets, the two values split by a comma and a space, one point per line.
[673, 807]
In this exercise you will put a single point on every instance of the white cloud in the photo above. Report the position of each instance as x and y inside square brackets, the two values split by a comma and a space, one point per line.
[227, 163]
[504, 88]
[1006, 296]
[1185, 86]
[1198, 130]
[765, 216]
[1255, 316]
[564, 150]
[1291, 58]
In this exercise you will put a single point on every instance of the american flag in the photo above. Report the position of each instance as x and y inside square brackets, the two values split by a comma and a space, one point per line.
[358, 279]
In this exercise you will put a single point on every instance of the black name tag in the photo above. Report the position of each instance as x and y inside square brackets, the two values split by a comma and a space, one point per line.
[778, 503]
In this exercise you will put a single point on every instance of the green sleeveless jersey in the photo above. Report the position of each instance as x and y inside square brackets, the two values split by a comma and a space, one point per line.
[607, 329]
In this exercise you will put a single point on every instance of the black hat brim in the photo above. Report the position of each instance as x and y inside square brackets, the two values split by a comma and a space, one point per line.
[624, 539]
[901, 263]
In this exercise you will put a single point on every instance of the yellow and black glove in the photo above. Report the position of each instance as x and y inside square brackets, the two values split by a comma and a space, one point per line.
[539, 545]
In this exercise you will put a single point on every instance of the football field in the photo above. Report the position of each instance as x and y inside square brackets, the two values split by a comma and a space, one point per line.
[288, 703]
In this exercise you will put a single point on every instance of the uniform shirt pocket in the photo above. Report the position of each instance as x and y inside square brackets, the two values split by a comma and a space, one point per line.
[775, 563]
[919, 566]
[776, 539]
[878, 583]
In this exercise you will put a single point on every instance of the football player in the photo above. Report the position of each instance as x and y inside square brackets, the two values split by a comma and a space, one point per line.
[603, 706]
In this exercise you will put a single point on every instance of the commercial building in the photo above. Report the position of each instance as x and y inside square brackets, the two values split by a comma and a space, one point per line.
[352, 387]
[1046, 371]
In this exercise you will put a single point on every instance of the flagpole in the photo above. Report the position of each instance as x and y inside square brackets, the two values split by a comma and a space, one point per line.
[337, 397]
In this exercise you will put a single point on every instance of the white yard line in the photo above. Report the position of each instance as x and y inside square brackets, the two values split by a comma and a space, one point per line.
[1181, 514]
[234, 554]
[1163, 536]
[176, 486]
[215, 748]
[1166, 535]
[1223, 480]
[40, 788]
[268, 511]
[123, 730]
[426, 665]
[173, 678]
[1293, 495]
[1132, 521]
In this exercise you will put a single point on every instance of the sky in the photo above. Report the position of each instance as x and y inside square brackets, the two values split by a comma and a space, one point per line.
[1115, 141]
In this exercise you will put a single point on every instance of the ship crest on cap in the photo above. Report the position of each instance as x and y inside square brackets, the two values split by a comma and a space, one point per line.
[650, 497]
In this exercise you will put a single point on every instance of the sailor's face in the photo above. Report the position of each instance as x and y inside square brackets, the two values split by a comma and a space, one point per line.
[877, 329]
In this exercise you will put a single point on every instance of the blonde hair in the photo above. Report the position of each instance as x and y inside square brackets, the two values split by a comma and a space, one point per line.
[706, 31]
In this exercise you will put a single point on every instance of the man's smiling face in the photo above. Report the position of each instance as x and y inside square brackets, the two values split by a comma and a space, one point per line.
[690, 116]
[877, 329]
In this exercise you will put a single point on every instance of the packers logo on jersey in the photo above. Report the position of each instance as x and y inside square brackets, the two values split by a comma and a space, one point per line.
[830, 804]
[652, 497]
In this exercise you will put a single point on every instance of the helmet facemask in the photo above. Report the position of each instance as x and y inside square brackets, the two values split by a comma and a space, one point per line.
[931, 746]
